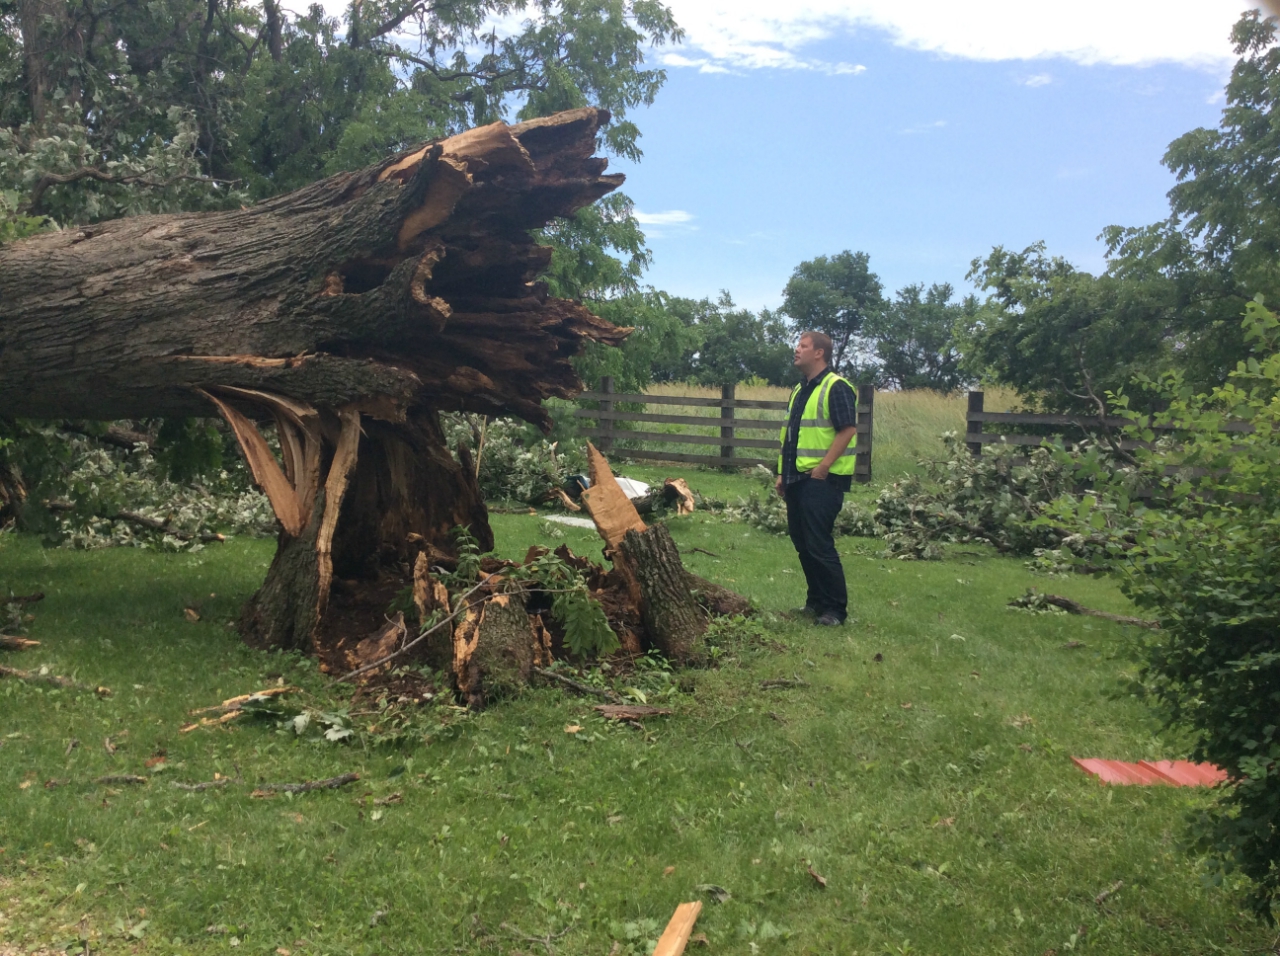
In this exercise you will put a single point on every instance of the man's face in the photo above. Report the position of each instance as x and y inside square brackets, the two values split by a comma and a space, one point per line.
[807, 360]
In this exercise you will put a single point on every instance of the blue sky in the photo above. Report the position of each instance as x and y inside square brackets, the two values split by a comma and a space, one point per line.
[920, 143]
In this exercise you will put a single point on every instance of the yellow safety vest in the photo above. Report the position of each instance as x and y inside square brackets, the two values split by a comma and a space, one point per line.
[816, 431]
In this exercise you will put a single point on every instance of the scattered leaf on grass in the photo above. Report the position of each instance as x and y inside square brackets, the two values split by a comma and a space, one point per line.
[718, 893]
[262, 794]
[155, 760]
[572, 728]
[668, 870]
[879, 658]
[24, 785]
[700, 939]
[191, 614]
[390, 798]
[945, 822]
[905, 705]
[1027, 747]
[818, 877]
[1072, 645]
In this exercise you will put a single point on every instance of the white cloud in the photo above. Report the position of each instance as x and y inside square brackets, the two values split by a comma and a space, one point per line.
[1038, 79]
[673, 217]
[760, 34]
[923, 128]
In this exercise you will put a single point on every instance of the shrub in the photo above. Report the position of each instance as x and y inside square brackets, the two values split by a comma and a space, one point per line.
[516, 463]
[1207, 563]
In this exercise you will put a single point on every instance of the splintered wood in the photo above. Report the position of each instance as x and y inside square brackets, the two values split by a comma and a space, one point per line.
[676, 936]
[610, 509]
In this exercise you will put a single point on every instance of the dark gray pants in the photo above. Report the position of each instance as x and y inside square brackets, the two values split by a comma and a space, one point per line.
[812, 507]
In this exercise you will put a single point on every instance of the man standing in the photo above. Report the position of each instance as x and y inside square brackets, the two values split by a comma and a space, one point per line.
[815, 469]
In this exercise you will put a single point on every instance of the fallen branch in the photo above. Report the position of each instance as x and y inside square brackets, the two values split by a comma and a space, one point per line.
[783, 682]
[1034, 599]
[54, 679]
[114, 778]
[25, 598]
[11, 643]
[333, 783]
[630, 711]
[155, 524]
[202, 786]
[578, 686]
[711, 554]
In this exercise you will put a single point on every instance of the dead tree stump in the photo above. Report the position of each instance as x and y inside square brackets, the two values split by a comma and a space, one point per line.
[671, 615]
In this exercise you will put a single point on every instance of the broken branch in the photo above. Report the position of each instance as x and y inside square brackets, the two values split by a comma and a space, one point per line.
[333, 783]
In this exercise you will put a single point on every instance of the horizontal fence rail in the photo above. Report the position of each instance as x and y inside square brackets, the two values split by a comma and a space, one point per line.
[977, 419]
[608, 415]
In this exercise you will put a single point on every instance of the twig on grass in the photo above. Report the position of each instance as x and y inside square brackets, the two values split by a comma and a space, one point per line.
[116, 778]
[13, 643]
[203, 785]
[580, 687]
[54, 679]
[710, 554]
[1108, 892]
[333, 783]
[793, 681]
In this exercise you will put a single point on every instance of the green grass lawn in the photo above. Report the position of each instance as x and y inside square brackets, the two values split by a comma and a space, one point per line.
[923, 771]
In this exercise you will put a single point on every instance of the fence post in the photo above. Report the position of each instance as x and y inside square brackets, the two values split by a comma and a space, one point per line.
[866, 411]
[974, 427]
[606, 424]
[727, 411]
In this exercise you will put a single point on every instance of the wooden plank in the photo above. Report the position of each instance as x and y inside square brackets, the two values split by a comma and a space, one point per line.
[1020, 418]
[866, 411]
[680, 400]
[676, 936]
[758, 424]
[677, 438]
[684, 458]
[727, 411]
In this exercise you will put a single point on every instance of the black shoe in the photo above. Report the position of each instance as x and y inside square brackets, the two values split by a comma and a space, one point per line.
[829, 619]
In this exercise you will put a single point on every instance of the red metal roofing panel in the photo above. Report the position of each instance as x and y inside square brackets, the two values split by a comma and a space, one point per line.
[1183, 773]
[1119, 772]
[1179, 773]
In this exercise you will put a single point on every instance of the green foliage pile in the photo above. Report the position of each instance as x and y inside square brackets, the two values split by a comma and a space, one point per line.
[994, 499]
[77, 487]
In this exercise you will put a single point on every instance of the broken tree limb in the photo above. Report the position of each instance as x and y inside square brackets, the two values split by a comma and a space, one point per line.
[1034, 599]
[10, 643]
[578, 686]
[333, 783]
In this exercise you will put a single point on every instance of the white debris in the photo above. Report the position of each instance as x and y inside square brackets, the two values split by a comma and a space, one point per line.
[633, 488]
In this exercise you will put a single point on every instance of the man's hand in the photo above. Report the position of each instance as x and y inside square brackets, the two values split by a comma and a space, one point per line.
[777, 486]
[820, 471]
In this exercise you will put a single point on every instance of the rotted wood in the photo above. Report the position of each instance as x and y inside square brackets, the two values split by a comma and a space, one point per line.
[673, 620]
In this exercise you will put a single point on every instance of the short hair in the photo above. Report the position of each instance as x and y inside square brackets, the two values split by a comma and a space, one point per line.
[819, 340]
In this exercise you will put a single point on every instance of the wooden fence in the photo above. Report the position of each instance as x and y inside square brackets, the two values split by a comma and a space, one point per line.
[1066, 427]
[605, 432]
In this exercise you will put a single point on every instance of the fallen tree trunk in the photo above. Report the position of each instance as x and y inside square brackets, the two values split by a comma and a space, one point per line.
[345, 316]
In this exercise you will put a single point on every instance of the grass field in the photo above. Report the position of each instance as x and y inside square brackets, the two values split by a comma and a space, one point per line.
[907, 425]
[923, 771]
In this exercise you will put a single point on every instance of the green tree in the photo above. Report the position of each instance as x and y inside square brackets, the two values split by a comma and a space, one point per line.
[1059, 336]
[838, 295]
[734, 344]
[914, 339]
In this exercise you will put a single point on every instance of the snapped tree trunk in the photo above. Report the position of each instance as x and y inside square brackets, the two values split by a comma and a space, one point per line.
[345, 315]
[672, 617]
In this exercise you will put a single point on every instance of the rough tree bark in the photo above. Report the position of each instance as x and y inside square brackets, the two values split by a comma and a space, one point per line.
[672, 617]
[346, 315]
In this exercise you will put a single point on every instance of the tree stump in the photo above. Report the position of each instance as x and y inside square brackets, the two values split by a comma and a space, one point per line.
[672, 617]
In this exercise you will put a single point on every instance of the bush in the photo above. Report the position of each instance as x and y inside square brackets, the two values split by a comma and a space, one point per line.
[1207, 563]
